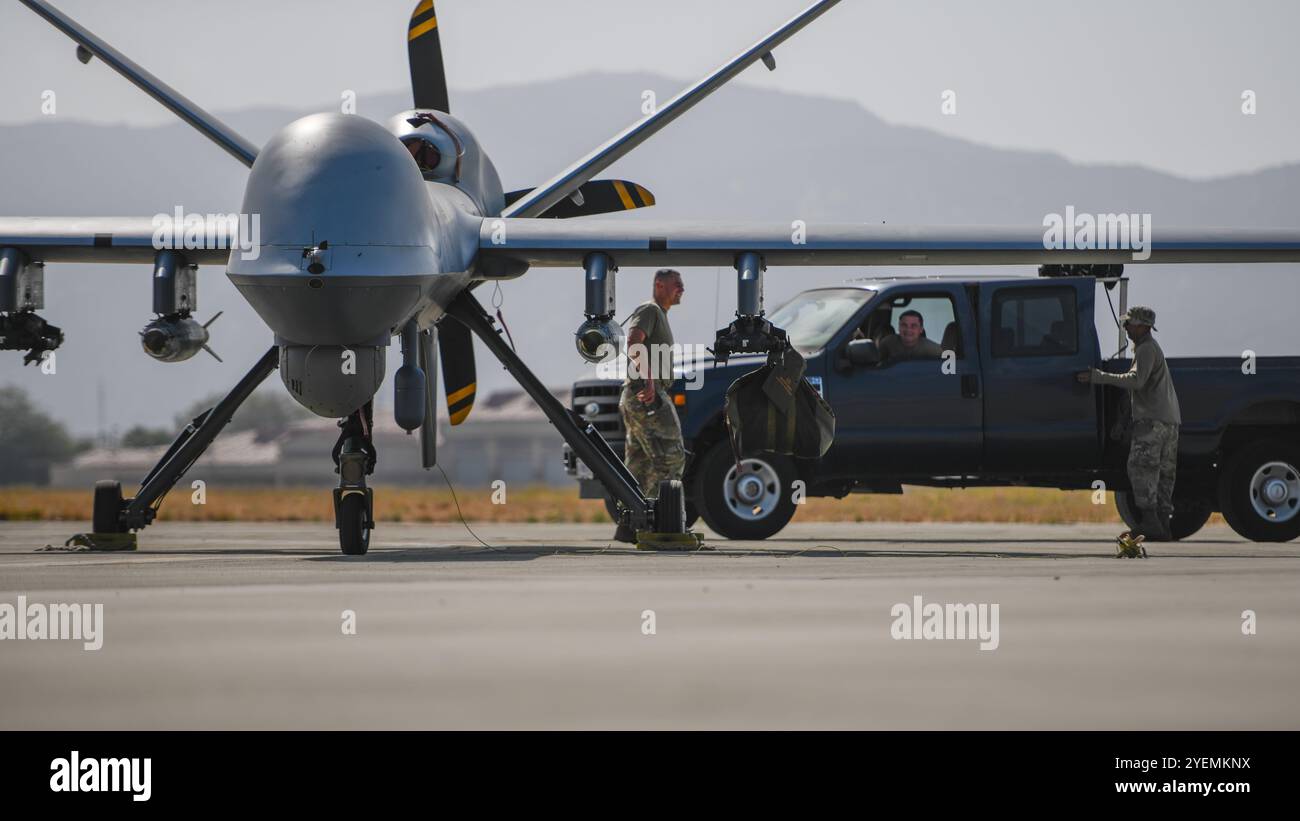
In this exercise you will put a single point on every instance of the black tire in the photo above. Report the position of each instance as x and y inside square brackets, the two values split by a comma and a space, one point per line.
[1244, 501]
[722, 507]
[105, 513]
[611, 507]
[670, 506]
[1126, 508]
[354, 536]
[1190, 515]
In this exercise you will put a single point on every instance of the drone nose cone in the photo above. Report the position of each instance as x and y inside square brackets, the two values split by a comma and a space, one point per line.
[350, 239]
[340, 178]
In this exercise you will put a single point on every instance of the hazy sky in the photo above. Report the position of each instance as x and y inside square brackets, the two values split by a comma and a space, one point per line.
[1157, 82]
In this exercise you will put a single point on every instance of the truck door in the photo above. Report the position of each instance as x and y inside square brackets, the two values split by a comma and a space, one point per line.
[1034, 337]
[907, 416]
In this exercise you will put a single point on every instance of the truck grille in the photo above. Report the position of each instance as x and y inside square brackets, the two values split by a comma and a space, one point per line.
[604, 395]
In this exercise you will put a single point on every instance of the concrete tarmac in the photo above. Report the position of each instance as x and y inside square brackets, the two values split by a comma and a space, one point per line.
[235, 625]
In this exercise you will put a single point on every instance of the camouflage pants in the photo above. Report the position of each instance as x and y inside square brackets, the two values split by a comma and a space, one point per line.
[1152, 461]
[653, 449]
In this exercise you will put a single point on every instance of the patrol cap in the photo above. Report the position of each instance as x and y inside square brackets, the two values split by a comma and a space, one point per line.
[1139, 315]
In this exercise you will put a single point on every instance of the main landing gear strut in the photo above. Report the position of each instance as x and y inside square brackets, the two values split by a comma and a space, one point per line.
[115, 518]
[666, 514]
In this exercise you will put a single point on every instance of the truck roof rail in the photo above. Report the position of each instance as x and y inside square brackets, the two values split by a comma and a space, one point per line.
[1096, 270]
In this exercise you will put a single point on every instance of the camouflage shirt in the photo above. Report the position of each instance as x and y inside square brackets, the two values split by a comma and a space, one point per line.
[1149, 379]
[653, 322]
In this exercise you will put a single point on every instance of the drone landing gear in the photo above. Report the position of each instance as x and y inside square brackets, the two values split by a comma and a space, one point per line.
[354, 503]
[641, 514]
[114, 518]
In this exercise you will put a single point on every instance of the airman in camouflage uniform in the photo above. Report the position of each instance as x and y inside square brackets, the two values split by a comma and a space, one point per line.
[1153, 453]
[653, 450]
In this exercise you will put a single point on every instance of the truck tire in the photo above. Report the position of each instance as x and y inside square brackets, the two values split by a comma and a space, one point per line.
[1259, 490]
[753, 505]
[1190, 515]
[611, 507]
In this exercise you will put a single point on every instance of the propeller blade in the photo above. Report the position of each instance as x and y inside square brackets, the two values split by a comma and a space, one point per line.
[424, 53]
[594, 197]
[456, 349]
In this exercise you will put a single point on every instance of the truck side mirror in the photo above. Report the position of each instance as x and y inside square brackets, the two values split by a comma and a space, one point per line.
[862, 353]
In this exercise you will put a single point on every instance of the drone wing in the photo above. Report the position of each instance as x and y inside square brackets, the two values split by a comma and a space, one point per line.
[109, 239]
[539, 200]
[510, 244]
[88, 45]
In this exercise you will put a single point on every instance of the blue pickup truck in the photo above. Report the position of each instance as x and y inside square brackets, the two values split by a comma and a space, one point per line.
[999, 405]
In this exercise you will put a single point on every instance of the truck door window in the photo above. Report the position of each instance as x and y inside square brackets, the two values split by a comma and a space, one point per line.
[1034, 322]
[919, 326]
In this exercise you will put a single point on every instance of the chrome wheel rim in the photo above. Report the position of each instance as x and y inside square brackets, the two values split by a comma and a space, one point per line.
[1275, 492]
[752, 491]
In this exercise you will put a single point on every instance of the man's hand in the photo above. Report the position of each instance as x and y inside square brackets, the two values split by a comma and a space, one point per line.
[1084, 376]
[636, 350]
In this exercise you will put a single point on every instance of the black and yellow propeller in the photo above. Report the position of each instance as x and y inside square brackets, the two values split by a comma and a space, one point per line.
[424, 53]
[429, 90]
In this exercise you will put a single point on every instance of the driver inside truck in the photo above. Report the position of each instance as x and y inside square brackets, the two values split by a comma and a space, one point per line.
[910, 342]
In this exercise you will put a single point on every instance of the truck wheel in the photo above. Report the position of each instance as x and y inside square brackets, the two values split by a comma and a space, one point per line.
[1259, 491]
[104, 517]
[1190, 515]
[611, 507]
[754, 503]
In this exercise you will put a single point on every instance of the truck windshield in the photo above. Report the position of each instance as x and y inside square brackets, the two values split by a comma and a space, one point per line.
[813, 317]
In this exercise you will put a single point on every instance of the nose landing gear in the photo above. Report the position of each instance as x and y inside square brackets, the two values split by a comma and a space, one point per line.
[354, 503]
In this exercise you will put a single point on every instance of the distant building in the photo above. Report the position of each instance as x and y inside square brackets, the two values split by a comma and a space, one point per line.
[506, 437]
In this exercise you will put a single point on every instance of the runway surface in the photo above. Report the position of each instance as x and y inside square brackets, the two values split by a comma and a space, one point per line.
[242, 626]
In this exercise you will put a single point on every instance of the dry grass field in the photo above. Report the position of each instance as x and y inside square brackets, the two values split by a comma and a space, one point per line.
[549, 504]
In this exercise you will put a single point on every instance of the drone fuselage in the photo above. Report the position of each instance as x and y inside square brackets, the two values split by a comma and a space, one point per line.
[354, 243]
